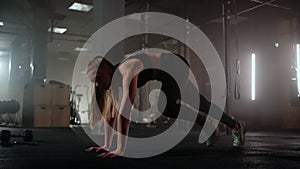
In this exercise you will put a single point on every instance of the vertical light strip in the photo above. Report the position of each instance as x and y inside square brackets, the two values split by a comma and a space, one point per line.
[253, 77]
[9, 66]
[298, 67]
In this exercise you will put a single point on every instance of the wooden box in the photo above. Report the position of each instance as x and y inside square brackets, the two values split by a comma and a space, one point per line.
[61, 116]
[42, 95]
[60, 95]
[42, 116]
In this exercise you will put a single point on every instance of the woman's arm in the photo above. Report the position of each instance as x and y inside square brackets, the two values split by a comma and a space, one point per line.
[109, 121]
[129, 71]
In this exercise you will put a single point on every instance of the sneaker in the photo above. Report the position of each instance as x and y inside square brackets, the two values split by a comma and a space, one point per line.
[239, 135]
[212, 139]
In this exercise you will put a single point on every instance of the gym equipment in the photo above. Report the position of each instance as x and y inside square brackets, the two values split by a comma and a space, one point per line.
[75, 101]
[6, 136]
[9, 106]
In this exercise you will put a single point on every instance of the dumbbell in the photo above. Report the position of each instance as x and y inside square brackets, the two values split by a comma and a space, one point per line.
[6, 136]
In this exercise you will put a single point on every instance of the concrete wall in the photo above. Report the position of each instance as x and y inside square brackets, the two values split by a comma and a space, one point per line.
[273, 108]
[290, 104]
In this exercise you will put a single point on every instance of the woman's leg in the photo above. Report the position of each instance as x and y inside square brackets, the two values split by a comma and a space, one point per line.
[170, 107]
[205, 106]
[172, 92]
[238, 127]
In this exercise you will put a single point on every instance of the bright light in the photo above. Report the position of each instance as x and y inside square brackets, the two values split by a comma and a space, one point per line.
[58, 30]
[31, 67]
[1, 24]
[9, 68]
[80, 7]
[276, 44]
[298, 67]
[79, 49]
[20, 67]
[253, 77]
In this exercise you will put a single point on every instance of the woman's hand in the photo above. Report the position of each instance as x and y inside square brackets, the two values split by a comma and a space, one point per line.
[113, 154]
[97, 149]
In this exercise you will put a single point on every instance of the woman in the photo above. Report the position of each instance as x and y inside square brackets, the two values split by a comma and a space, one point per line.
[132, 77]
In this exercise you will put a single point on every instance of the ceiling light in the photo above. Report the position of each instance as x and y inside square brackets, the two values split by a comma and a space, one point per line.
[80, 7]
[63, 59]
[58, 30]
[1, 23]
[79, 49]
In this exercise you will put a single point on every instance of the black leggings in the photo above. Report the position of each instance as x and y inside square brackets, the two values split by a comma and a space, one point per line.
[172, 92]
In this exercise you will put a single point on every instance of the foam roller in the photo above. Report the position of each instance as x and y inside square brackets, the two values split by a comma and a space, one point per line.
[9, 106]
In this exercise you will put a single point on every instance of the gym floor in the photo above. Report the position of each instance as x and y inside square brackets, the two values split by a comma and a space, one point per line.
[64, 148]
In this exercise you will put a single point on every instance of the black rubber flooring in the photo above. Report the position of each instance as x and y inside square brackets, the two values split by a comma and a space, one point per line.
[64, 148]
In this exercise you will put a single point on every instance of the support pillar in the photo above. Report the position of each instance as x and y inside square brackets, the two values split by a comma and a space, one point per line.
[39, 40]
[104, 12]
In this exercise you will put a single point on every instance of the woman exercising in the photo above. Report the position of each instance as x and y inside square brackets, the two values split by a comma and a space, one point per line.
[132, 77]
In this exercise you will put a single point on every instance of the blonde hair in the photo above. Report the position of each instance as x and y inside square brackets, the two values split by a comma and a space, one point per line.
[107, 107]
